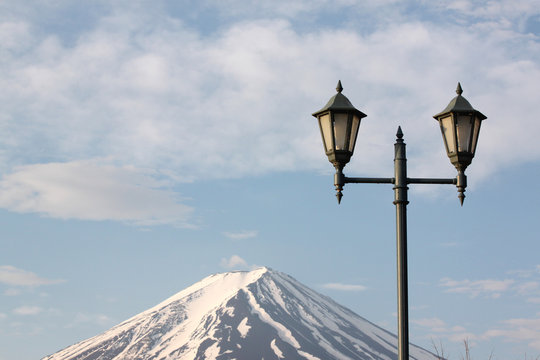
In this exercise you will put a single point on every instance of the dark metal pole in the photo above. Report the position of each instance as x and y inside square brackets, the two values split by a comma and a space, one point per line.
[401, 201]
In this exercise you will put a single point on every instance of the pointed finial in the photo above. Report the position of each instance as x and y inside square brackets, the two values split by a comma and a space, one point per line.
[461, 197]
[461, 185]
[339, 181]
[399, 133]
[339, 88]
[459, 90]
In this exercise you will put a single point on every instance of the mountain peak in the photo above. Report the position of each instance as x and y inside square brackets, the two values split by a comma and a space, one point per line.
[243, 315]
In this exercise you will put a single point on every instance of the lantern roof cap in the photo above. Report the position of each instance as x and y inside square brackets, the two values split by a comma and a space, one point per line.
[339, 102]
[460, 104]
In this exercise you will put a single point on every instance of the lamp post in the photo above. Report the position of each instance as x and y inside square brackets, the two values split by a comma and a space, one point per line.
[339, 122]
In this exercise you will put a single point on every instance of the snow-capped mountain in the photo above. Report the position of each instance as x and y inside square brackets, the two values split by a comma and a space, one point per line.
[261, 314]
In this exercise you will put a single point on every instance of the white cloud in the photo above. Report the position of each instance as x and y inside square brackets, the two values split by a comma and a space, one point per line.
[528, 287]
[97, 319]
[238, 101]
[522, 273]
[525, 285]
[11, 275]
[526, 273]
[27, 310]
[429, 322]
[245, 234]
[517, 330]
[234, 262]
[440, 329]
[344, 287]
[12, 292]
[502, 11]
[493, 288]
[92, 191]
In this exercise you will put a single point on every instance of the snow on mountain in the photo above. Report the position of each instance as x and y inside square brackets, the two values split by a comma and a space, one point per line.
[261, 314]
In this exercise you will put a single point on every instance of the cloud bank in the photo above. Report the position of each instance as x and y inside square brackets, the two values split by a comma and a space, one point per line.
[220, 92]
[92, 191]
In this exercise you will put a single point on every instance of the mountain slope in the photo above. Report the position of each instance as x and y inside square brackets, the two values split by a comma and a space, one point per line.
[262, 314]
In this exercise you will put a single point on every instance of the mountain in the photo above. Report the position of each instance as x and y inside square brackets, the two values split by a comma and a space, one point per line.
[256, 315]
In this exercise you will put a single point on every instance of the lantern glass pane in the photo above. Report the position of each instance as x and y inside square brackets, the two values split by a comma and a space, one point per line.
[464, 132]
[354, 132]
[476, 131]
[326, 130]
[447, 127]
[340, 130]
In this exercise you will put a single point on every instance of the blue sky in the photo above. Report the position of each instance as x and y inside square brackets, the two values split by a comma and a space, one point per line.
[146, 145]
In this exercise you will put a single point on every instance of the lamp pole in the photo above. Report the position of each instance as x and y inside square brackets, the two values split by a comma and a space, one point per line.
[401, 200]
[460, 125]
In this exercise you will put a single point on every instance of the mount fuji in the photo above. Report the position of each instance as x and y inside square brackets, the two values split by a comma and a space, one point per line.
[256, 315]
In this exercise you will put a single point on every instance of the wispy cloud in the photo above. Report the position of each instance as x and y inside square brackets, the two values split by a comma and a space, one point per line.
[344, 287]
[529, 287]
[27, 310]
[245, 234]
[13, 276]
[429, 322]
[234, 262]
[92, 190]
[524, 283]
[516, 330]
[438, 328]
[97, 319]
[12, 292]
[526, 273]
[490, 287]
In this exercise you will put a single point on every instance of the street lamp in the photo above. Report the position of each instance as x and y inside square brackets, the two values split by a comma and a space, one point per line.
[339, 122]
[460, 126]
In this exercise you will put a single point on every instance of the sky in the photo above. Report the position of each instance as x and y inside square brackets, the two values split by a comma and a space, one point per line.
[147, 145]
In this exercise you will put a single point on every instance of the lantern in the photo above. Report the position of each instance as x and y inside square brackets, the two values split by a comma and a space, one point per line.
[339, 122]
